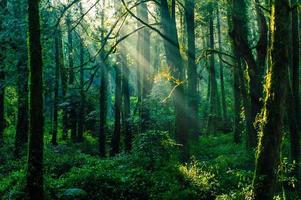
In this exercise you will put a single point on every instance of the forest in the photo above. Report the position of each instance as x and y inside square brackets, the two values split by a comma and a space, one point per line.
[150, 100]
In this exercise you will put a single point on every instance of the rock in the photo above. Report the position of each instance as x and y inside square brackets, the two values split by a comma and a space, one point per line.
[73, 194]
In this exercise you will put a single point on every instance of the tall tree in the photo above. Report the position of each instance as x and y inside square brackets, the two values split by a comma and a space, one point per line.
[221, 66]
[56, 86]
[34, 173]
[175, 61]
[119, 68]
[268, 152]
[22, 71]
[293, 96]
[214, 111]
[115, 142]
[255, 65]
[126, 105]
[144, 65]
[71, 74]
[103, 92]
[192, 93]
[81, 112]
[3, 5]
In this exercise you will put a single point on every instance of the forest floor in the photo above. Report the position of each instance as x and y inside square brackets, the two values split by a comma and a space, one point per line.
[219, 169]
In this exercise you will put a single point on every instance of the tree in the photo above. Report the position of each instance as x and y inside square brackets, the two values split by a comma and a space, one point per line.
[120, 67]
[34, 173]
[175, 62]
[214, 111]
[56, 85]
[81, 112]
[71, 74]
[192, 93]
[115, 142]
[221, 66]
[103, 91]
[3, 5]
[22, 82]
[143, 67]
[255, 65]
[293, 94]
[237, 102]
[268, 150]
[126, 107]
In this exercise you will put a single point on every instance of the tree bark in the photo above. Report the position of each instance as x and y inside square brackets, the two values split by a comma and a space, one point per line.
[268, 152]
[81, 112]
[237, 102]
[103, 92]
[126, 106]
[192, 93]
[115, 142]
[3, 5]
[239, 34]
[22, 83]
[34, 173]
[175, 62]
[213, 99]
[56, 87]
[294, 92]
[146, 73]
[221, 68]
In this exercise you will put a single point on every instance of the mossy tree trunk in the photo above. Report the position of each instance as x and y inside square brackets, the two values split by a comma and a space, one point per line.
[255, 66]
[269, 146]
[34, 173]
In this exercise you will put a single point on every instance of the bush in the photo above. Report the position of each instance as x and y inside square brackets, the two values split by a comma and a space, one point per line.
[154, 149]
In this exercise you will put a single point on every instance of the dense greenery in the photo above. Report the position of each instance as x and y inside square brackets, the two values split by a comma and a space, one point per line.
[154, 99]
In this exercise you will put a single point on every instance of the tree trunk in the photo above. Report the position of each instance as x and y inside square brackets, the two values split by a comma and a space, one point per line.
[81, 112]
[268, 152]
[3, 5]
[143, 68]
[192, 93]
[70, 49]
[239, 34]
[126, 105]
[71, 76]
[237, 102]
[64, 84]
[103, 92]
[175, 61]
[56, 87]
[294, 93]
[115, 142]
[221, 69]
[22, 71]
[34, 173]
[213, 100]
